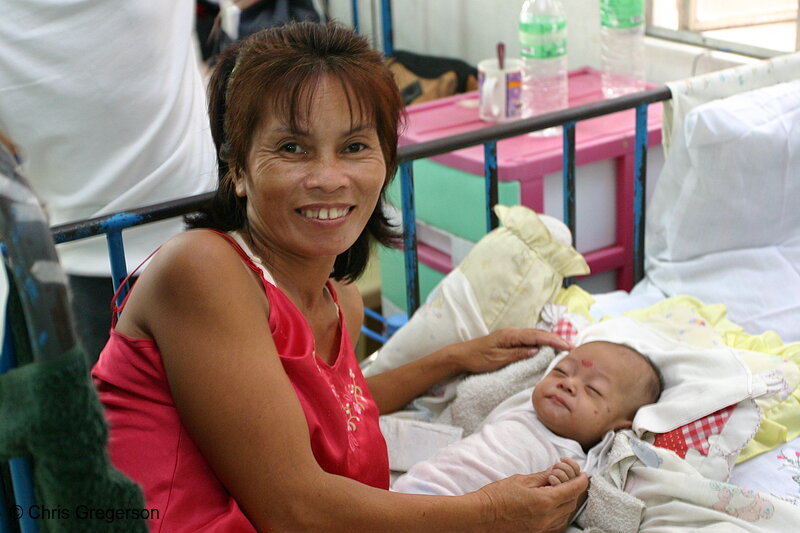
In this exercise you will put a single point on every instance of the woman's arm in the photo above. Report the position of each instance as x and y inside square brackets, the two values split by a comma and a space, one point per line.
[395, 388]
[209, 318]
[392, 390]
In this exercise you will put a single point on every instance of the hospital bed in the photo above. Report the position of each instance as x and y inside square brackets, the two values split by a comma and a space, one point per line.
[752, 271]
[721, 228]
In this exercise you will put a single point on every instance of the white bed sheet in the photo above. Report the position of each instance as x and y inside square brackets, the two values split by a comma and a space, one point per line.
[723, 224]
[615, 303]
[776, 472]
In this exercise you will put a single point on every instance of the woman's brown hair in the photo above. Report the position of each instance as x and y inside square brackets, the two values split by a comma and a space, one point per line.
[277, 70]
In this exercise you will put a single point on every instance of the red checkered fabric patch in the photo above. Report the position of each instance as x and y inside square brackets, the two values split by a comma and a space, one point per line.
[565, 328]
[694, 434]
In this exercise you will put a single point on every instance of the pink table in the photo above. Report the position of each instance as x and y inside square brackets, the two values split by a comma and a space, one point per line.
[528, 159]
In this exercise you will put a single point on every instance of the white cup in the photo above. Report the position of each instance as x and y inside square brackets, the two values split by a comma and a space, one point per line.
[500, 90]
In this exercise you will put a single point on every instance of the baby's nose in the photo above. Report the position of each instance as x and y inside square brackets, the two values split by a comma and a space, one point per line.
[568, 385]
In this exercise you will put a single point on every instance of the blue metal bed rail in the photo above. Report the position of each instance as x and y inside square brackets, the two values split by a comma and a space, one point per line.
[113, 225]
[490, 135]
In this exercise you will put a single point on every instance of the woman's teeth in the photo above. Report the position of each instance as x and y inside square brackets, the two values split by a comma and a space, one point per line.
[325, 213]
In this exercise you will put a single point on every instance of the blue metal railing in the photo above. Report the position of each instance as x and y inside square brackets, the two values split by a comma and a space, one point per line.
[640, 177]
[489, 135]
[113, 225]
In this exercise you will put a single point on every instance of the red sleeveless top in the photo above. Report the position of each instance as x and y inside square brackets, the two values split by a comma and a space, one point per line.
[149, 443]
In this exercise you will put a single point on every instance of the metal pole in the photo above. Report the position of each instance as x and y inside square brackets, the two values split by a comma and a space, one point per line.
[355, 16]
[568, 170]
[639, 189]
[119, 269]
[490, 170]
[388, 35]
[410, 237]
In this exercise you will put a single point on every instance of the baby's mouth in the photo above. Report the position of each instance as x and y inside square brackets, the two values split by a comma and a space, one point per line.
[559, 400]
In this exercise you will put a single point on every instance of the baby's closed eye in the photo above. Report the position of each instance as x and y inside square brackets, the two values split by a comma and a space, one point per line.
[594, 391]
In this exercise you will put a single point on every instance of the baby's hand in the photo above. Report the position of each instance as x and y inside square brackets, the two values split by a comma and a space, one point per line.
[563, 471]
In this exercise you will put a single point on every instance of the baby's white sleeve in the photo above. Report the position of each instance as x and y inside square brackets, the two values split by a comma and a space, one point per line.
[498, 450]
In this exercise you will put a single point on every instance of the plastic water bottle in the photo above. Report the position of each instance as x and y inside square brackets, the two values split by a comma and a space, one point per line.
[543, 40]
[622, 46]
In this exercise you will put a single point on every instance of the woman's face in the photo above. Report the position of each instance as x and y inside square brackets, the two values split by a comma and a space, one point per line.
[310, 192]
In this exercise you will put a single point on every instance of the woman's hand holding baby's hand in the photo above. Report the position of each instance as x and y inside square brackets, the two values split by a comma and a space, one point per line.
[528, 503]
[563, 471]
[503, 347]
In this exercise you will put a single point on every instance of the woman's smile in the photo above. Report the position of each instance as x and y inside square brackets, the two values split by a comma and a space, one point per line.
[325, 213]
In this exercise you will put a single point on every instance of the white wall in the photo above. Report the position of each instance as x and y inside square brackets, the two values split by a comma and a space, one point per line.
[471, 29]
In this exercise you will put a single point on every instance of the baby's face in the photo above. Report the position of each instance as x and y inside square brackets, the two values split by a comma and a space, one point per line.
[591, 391]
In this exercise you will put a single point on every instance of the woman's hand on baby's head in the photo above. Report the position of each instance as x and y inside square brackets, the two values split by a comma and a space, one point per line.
[563, 471]
[503, 347]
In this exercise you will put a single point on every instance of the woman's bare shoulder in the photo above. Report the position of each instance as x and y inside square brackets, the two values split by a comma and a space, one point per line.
[197, 253]
[198, 269]
[197, 242]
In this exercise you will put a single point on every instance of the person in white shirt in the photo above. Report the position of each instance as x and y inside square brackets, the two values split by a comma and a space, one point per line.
[105, 105]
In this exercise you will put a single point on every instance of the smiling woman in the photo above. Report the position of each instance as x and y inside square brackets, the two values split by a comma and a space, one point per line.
[230, 382]
[312, 187]
[241, 102]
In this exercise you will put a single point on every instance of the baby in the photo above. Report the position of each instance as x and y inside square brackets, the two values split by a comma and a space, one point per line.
[596, 389]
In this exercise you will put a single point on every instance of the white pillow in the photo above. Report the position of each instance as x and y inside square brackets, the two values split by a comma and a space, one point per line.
[724, 223]
[504, 281]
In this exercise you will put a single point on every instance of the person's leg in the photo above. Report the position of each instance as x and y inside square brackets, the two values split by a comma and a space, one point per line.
[91, 309]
